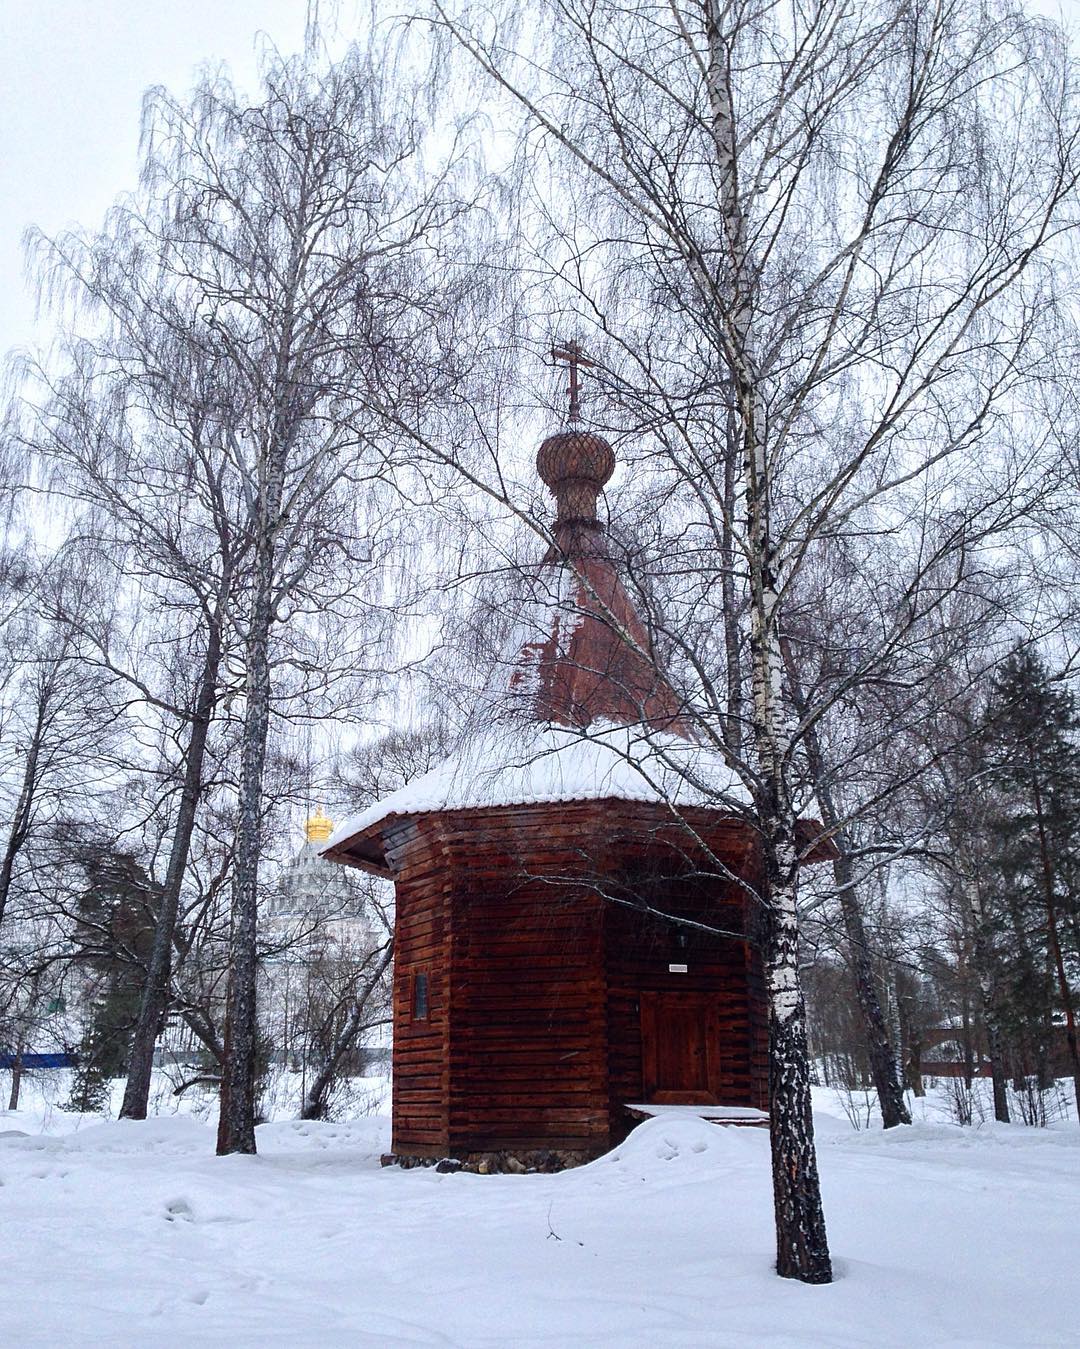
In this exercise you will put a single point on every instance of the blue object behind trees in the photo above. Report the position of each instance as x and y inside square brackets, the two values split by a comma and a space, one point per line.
[63, 1060]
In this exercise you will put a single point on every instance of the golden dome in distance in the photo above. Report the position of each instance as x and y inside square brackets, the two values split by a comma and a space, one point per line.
[319, 827]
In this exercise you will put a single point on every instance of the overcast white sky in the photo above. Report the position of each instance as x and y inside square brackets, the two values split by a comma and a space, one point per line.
[74, 72]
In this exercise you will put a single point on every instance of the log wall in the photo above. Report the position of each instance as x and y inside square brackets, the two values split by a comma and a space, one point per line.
[527, 1066]
[536, 968]
[421, 947]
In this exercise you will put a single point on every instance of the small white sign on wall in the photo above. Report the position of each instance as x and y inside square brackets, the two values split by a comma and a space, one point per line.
[676, 969]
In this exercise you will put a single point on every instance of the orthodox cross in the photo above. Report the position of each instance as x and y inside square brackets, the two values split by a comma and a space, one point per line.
[570, 353]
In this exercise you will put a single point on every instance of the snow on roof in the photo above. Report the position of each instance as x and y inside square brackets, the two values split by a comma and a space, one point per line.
[532, 764]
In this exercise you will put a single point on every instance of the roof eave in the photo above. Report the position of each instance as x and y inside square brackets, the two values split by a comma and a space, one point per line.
[364, 851]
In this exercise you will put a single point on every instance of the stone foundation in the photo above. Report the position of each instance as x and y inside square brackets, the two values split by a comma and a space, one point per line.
[546, 1161]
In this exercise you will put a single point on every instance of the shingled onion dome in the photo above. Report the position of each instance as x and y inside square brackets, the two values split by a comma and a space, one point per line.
[575, 464]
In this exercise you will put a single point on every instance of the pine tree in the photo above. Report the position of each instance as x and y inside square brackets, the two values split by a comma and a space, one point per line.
[1033, 757]
[115, 930]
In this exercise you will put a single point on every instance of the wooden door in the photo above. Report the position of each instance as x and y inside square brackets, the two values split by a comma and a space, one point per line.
[680, 1050]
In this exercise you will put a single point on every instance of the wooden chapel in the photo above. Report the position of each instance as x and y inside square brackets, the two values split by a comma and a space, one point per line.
[569, 953]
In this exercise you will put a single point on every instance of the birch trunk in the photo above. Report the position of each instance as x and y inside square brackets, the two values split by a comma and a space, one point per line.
[16, 1078]
[155, 996]
[977, 918]
[236, 1123]
[882, 1057]
[1064, 992]
[732, 654]
[914, 1069]
[196, 1022]
[883, 1065]
[315, 1098]
[802, 1250]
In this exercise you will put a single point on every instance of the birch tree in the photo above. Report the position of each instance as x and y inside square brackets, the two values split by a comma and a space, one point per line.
[304, 234]
[820, 246]
[127, 433]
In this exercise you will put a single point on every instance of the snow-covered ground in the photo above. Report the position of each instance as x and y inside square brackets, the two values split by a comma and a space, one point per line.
[119, 1233]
